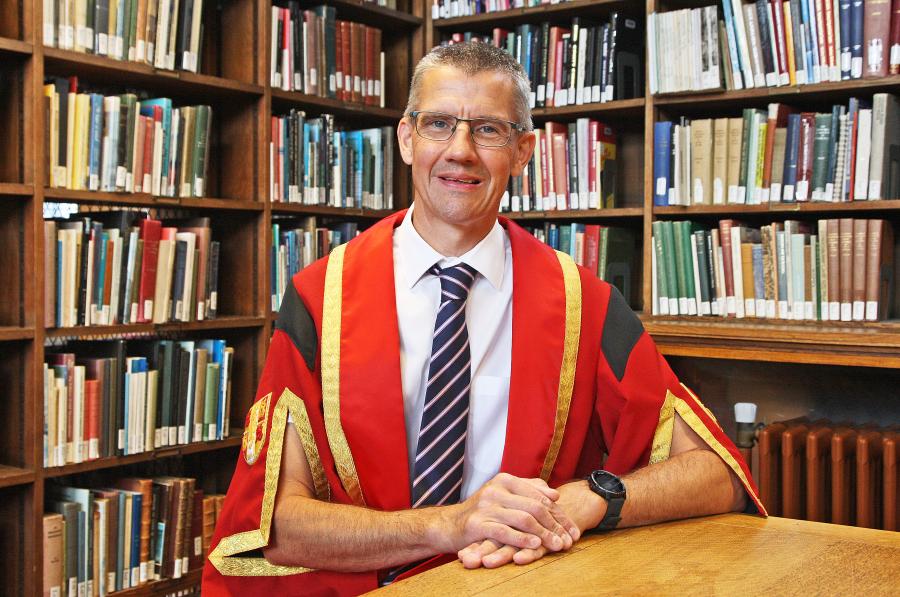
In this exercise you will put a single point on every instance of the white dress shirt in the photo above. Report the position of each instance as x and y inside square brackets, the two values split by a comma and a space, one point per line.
[489, 324]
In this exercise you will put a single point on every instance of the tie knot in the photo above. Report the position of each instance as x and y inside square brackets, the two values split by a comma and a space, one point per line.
[456, 281]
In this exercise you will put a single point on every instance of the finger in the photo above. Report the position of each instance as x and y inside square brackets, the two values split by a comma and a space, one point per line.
[471, 556]
[527, 556]
[502, 556]
[525, 522]
[506, 535]
[544, 511]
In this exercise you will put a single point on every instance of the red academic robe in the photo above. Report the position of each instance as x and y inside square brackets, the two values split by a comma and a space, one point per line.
[587, 383]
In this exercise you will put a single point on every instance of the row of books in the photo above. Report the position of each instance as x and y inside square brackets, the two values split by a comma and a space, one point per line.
[573, 167]
[446, 9]
[580, 64]
[100, 540]
[769, 43]
[314, 164]
[316, 54]
[119, 267]
[611, 252]
[163, 33]
[835, 270]
[119, 143]
[104, 399]
[297, 244]
[849, 154]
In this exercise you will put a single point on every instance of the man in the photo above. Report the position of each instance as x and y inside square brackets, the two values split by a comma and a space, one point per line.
[444, 383]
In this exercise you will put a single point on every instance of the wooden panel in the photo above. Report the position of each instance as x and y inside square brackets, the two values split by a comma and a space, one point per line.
[11, 19]
[17, 540]
[13, 231]
[11, 121]
[721, 555]
[14, 369]
[234, 167]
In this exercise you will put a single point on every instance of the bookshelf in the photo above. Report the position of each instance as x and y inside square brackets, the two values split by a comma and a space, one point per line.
[845, 371]
[234, 79]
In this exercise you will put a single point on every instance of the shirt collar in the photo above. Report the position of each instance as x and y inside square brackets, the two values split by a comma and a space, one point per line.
[488, 257]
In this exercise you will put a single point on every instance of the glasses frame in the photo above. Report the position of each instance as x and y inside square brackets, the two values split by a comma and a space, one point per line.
[415, 116]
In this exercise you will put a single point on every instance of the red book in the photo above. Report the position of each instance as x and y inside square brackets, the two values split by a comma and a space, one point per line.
[895, 40]
[92, 418]
[338, 61]
[592, 247]
[776, 14]
[150, 231]
[725, 240]
[805, 155]
[147, 166]
[346, 59]
[876, 36]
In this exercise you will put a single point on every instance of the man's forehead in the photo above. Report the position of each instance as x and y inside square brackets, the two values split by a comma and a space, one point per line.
[487, 93]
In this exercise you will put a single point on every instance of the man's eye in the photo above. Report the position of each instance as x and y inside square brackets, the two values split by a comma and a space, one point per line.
[488, 129]
[438, 123]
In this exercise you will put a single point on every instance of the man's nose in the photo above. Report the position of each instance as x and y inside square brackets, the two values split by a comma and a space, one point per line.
[462, 146]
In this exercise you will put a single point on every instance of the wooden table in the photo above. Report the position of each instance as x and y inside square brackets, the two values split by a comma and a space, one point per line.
[730, 554]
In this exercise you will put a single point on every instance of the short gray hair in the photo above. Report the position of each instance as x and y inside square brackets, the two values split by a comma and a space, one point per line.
[472, 58]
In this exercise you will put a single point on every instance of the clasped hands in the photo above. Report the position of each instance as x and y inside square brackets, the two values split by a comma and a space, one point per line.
[511, 519]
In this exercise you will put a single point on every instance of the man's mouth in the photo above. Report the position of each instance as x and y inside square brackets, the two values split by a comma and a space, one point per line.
[460, 179]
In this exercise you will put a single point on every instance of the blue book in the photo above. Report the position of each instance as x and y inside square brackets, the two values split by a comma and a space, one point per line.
[285, 154]
[147, 110]
[856, 38]
[307, 163]
[733, 53]
[100, 273]
[355, 141]
[759, 289]
[273, 280]
[96, 136]
[813, 46]
[662, 152]
[573, 243]
[215, 350]
[852, 109]
[136, 504]
[845, 56]
[791, 153]
[553, 237]
[120, 544]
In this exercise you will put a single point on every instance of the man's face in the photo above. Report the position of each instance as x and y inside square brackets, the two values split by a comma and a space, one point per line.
[456, 181]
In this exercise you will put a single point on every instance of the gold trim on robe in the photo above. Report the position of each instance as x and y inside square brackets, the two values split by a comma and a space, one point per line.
[331, 375]
[694, 422]
[223, 557]
[662, 439]
[572, 283]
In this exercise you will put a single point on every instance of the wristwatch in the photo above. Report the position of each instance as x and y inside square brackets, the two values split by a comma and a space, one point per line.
[609, 487]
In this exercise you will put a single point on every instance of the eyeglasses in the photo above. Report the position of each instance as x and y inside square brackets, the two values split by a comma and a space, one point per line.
[486, 132]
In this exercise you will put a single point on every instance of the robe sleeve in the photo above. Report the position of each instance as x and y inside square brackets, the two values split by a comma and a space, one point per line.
[288, 390]
[638, 396]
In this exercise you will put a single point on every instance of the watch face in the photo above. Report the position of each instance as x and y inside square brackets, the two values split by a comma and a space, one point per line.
[609, 482]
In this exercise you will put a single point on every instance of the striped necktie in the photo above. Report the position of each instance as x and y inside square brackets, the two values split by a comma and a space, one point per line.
[437, 475]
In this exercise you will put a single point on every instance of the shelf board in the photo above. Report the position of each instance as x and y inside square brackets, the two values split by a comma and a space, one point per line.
[866, 344]
[628, 107]
[12, 333]
[149, 329]
[801, 207]
[11, 476]
[16, 189]
[534, 14]
[284, 100]
[117, 461]
[388, 19]
[147, 200]
[180, 83]
[576, 214]
[326, 210]
[786, 93]
[165, 586]
[15, 46]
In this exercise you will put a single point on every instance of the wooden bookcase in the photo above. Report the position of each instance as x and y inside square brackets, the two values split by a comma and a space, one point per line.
[234, 79]
[844, 371]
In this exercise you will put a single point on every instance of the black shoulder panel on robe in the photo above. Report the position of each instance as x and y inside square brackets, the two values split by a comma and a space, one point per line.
[621, 331]
[295, 321]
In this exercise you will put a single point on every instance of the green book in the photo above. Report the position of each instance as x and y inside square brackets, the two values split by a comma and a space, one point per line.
[671, 268]
[821, 150]
[621, 268]
[211, 401]
[745, 155]
[662, 286]
[203, 118]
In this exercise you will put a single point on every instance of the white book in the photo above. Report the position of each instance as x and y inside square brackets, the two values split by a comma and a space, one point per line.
[582, 61]
[652, 66]
[274, 73]
[79, 441]
[753, 38]
[162, 34]
[863, 150]
[49, 16]
[885, 127]
[150, 410]
[111, 314]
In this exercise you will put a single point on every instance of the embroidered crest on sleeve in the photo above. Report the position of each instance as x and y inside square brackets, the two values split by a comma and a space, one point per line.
[255, 430]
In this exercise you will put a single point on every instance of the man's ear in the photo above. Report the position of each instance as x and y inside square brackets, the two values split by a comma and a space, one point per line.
[404, 138]
[524, 149]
